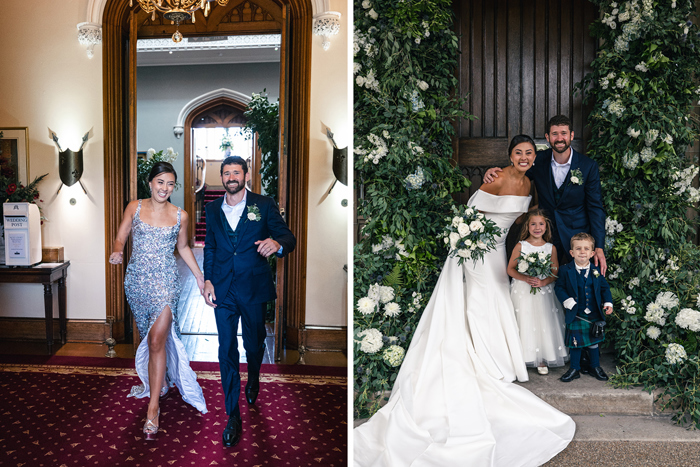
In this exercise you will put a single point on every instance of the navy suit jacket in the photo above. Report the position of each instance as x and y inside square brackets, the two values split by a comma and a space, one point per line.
[566, 286]
[242, 266]
[580, 208]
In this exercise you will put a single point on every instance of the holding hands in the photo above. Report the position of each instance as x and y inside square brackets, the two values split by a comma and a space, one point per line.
[116, 258]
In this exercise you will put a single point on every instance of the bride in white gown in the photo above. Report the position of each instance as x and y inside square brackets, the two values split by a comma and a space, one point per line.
[453, 402]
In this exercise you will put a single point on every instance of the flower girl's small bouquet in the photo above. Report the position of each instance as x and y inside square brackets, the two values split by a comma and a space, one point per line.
[535, 265]
[469, 234]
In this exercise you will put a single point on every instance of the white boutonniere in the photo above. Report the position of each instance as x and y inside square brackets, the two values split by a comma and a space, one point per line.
[254, 213]
[576, 177]
[596, 273]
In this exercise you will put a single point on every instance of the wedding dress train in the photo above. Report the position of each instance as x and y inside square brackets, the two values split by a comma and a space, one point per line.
[453, 401]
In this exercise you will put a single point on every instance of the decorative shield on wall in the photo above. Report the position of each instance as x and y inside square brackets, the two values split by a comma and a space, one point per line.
[340, 165]
[70, 166]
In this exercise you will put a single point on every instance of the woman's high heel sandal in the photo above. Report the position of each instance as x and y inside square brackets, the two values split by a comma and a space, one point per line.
[150, 429]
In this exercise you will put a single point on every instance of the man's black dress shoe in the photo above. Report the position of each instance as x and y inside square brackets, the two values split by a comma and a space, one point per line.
[232, 432]
[599, 374]
[251, 393]
[570, 375]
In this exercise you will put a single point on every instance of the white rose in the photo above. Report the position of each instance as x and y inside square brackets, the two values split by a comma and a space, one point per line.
[542, 256]
[574, 179]
[463, 229]
[150, 153]
[522, 266]
[481, 245]
[476, 226]
[530, 259]
[464, 253]
[251, 216]
[454, 238]
[456, 221]
[469, 211]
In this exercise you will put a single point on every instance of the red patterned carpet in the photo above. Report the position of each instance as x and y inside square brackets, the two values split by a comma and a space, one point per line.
[68, 411]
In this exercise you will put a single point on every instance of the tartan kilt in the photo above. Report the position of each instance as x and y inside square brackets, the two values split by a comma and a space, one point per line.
[580, 330]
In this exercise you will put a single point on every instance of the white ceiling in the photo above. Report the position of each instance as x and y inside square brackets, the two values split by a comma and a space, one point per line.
[209, 50]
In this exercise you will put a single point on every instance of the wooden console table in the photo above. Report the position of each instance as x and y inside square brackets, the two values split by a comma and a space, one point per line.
[47, 274]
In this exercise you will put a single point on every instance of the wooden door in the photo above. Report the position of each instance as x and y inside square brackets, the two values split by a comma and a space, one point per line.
[519, 63]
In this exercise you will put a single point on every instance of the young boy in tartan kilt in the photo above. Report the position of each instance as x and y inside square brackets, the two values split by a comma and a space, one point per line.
[585, 294]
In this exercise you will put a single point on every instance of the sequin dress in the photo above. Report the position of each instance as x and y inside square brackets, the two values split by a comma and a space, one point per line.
[152, 282]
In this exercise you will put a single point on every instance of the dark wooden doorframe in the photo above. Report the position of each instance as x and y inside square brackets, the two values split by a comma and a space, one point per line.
[295, 128]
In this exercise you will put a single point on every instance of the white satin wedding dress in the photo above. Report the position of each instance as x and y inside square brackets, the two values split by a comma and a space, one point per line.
[453, 402]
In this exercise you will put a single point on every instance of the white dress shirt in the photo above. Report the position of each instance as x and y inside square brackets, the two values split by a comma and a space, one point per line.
[560, 170]
[233, 213]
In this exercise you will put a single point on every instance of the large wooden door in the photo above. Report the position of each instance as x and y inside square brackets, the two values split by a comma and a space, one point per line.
[519, 63]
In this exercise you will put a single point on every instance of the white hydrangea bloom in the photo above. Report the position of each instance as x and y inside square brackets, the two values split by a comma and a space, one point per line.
[393, 355]
[630, 160]
[634, 282]
[642, 66]
[675, 353]
[386, 293]
[688, 318]
[651, 136]
[371, 340]
[666, 300]
[647, 154]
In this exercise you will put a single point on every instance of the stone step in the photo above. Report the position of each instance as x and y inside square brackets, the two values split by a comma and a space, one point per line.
[629, 441]
[587, 395]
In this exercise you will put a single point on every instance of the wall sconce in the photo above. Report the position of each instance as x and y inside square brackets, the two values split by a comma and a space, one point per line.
[326, 25]
[89, 34]
[70, 163]
[340, 162]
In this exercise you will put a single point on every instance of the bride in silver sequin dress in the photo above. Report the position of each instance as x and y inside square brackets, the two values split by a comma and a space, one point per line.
[152, 286]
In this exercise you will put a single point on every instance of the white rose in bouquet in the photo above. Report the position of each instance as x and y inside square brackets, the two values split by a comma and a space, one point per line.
[476, 226]
[464, 253]
[456, 221]
[522, 266]
[454, 238]
[481, 245]
[463, 229]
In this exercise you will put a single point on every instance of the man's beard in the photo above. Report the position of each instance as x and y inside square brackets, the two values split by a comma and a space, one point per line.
[232, 190]
[566, 146]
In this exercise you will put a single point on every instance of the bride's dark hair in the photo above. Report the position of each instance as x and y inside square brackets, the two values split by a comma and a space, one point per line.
[520, 139]
[525, 230]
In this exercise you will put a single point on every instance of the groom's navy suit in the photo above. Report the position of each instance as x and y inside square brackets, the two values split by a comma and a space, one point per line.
[572, 208]
[242, 284]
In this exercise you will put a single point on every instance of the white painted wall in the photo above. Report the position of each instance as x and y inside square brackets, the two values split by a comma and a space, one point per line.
[326, 282]
[48, 81]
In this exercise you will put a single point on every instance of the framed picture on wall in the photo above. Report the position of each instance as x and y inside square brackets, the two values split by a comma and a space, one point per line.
[14, 155]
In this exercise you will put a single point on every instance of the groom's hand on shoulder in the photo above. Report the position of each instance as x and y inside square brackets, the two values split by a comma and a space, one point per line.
[492, 174]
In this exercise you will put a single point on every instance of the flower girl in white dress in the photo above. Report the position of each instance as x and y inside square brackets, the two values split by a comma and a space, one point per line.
[537, 309]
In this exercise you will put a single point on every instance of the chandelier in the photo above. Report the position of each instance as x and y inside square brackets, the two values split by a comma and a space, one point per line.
[176, 11]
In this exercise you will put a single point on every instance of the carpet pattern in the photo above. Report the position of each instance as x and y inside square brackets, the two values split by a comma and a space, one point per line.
[79, 415]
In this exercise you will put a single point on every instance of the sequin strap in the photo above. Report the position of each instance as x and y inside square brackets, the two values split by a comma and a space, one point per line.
[178, 217]
[136, 214]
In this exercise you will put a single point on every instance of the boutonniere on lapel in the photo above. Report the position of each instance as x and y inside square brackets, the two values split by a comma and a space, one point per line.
[596, 274]
[254, 213]
[576, 177]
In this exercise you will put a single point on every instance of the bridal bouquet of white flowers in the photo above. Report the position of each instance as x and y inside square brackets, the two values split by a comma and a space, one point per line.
[469, 234]
[536, 264]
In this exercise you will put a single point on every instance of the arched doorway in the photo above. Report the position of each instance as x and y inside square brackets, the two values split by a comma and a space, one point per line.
[119, 32]
[219, 112]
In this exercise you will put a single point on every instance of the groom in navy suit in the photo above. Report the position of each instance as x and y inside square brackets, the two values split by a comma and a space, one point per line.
[568, 189]
[243, 230]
